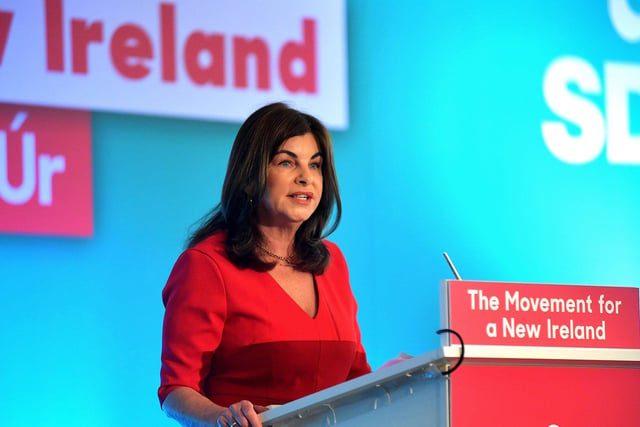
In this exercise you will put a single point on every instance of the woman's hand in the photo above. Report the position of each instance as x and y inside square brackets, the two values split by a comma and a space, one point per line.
[241, 414]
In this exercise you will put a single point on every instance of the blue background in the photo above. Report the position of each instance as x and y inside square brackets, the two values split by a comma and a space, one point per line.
[444, 152]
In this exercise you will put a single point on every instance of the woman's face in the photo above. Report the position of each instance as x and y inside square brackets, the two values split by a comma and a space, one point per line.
[294, 183]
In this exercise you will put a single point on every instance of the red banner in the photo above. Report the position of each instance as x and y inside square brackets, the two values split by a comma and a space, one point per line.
[45, 171]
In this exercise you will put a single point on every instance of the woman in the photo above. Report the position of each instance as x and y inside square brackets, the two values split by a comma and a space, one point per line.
[259, 310]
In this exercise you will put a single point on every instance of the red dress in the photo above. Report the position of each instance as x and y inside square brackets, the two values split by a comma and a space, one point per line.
[235, 334]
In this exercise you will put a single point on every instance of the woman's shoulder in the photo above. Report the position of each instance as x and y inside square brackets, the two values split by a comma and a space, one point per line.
[204, 258]
[210, 250]
[337, 259]
[213, 245]
[332, 247]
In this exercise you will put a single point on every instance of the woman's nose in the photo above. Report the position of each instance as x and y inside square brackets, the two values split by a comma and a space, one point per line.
[304, 177]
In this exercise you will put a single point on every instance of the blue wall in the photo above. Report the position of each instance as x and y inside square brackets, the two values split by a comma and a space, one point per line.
[444, 153]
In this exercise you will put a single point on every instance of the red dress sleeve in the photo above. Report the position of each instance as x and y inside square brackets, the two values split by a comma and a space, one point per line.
[195, 311]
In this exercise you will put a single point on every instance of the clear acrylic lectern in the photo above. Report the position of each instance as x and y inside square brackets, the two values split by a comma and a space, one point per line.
[409, 393]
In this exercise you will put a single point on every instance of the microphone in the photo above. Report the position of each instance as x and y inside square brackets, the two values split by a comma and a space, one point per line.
[451, 266]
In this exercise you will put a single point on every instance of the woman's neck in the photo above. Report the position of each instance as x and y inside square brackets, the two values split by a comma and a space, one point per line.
[278, 240]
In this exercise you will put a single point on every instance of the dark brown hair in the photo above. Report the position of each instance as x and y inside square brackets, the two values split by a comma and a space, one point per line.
[256, 143]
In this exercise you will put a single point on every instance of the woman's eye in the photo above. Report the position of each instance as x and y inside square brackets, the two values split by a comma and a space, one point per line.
[317, 165]
[285, 163]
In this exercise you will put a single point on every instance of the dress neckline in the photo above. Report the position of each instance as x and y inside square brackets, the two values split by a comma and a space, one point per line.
[293, 302]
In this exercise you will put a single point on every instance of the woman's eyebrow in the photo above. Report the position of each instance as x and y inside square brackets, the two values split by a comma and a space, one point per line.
[294, 155]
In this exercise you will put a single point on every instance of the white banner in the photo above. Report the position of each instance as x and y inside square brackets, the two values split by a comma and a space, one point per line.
[201, 59]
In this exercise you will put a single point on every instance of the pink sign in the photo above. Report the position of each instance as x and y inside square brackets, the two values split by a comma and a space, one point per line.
[45, 171]
[488, 313]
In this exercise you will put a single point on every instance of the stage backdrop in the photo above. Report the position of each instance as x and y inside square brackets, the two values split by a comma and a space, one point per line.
[504, 133]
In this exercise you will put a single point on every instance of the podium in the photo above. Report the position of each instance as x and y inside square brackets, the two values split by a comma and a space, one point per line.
[534, 355]
[409, 393]
[543, 355]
